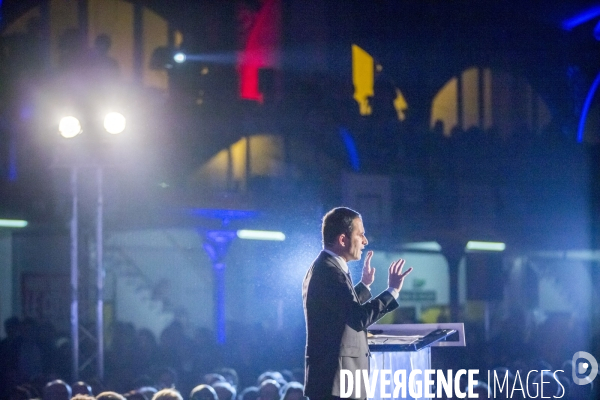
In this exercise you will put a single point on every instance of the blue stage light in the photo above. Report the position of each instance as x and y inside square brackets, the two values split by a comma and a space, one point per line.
[586, 108]
[350, 148]
[583, 17]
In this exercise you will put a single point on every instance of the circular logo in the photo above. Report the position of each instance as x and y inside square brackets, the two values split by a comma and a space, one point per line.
[581, 367]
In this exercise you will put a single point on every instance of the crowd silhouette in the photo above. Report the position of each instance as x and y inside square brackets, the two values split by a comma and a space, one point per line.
[253, 365]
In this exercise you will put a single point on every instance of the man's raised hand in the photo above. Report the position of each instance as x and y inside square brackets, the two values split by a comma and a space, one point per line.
[395, 275]
[368, 273]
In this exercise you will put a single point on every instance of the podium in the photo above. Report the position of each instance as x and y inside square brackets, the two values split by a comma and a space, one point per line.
[407, 347]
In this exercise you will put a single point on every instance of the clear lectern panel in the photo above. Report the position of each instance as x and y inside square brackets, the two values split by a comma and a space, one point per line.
[407, 348]
[398, 361]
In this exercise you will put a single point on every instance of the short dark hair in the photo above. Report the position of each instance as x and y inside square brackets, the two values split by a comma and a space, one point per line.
[336, 222]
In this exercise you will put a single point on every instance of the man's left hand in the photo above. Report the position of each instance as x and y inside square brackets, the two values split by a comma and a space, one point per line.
[368, 273]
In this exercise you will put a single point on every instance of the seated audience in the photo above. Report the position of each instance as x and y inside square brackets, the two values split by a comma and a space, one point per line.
[167, 394]
[108, 395]
[269, 390]
[274, 375]
[250, 393]
[230, 376]
[224, 391]
[292, 391]
[213, 378]
[203, 392]
[135, 395]
[81, 388]
[57, 390]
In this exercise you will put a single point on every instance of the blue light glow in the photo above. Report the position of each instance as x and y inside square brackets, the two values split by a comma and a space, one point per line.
[350, 148]
[584, 16]
[586, 108]
[216, 243]
[179, 58]
[219, 276]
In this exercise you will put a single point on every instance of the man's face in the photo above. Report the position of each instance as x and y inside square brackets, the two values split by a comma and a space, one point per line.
[356, 242]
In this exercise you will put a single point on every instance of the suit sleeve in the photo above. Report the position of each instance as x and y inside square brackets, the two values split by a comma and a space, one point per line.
[359, 316]
[362, 292]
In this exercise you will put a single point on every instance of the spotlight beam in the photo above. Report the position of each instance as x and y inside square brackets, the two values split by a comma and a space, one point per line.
[217, 58]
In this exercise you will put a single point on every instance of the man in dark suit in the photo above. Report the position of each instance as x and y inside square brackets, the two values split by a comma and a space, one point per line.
[337, 313]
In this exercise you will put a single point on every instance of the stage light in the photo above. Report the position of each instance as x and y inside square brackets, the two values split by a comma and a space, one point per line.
[586, 108]
[13, 223]
[260, 235]
[69, 127]
[581, 18]
[485, 246]
[433, 247]
[114, 123]
[179, 58]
